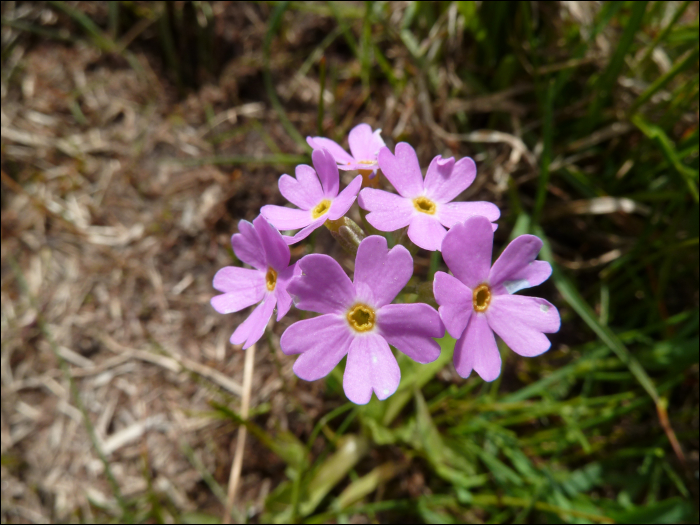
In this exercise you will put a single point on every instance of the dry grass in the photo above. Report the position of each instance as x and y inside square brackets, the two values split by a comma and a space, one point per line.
[118, 243]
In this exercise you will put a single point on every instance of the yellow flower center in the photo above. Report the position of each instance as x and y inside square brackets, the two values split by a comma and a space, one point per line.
[482, 297]
[321, 208]
[366, 161]
[367, 182]
[271, 278]
[424, 205]
[361, 317]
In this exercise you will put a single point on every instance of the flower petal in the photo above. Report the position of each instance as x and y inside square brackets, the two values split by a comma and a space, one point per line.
[402, 170]
[284, 300]
[246, 245]
[284, 218]
[276, 249]
[455, 300]
[342, 203]
[522, 322]
[411, 329]
[517, 268]
[242, 287]
[322, 342]
[370, 366]
[388, 211]
[322, 287]
[327, 171]
[304, 191]
[477, 350]
[338, 153]
[364, 144]
[252, 329]
[453, 212]
[380, 273]
[467, 250]
[305, 232]
[446, 179]
[426, 231]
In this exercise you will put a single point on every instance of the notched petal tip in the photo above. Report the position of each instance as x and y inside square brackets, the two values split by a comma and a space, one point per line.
[444, 162]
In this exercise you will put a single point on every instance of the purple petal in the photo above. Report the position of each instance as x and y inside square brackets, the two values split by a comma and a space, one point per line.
[456, 302]
[343, 202]
[522, 322]
[444, 179]
[276, 249]
[242, 287]
[322, 343]
[252, 329]
[426, 232]
[364, 145]
[517, 268]
[246, 245]
[453, 212]
[370, 366]
[411, 328]
[284, 300]
[304, 191]
[327, 171]
[467, 250]
[284, 218]
[380, 273]
[304, 233]
[338, 153]
[402, 170]
[322, 287]
[477, 350]
[388, 212]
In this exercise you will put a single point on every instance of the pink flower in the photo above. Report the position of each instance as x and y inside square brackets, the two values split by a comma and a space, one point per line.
[423, 205]
[358, 320]
[262, 247]
[318, 200]
[477, 301]
[364, 145]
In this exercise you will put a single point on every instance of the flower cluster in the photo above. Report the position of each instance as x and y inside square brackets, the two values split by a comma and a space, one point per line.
[357, 317]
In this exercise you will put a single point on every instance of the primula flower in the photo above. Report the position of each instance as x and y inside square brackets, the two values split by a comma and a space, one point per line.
[358, 320]
[316, 194]
[364, 145]
[477, 301]
[423, 205]
[261, 246]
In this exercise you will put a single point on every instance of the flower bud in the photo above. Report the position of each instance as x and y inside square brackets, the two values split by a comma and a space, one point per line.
[347, 232]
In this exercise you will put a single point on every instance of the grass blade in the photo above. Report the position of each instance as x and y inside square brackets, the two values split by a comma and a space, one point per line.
[582, 308]
[275, 21]
[683, 63]
[608, 79]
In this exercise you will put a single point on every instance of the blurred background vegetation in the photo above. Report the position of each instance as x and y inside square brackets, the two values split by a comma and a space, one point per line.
[135, 135]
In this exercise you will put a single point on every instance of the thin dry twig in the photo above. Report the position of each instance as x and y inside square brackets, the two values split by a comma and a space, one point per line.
[175, 363]
[237, 464]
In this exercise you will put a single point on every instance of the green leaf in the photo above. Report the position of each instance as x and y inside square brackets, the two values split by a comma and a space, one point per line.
[367, 484]
[415, 376]
[284, 444]
[351, 449]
